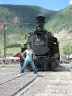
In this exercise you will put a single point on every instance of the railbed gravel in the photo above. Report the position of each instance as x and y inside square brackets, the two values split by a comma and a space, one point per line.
[8, 72]
[54, 83]
[11, 87]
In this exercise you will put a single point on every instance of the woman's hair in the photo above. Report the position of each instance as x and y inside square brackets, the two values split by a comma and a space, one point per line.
[28, 45]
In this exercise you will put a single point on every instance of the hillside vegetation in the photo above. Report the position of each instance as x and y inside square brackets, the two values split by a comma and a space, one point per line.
[20, 20]
[25, 14]
[61, 20]
[61, 25]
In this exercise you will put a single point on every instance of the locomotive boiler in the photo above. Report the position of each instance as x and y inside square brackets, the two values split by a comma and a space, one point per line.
[45, 46]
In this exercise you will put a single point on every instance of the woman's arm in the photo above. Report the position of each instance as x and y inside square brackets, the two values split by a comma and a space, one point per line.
[34, 57]
[23, 54]
[33, 53]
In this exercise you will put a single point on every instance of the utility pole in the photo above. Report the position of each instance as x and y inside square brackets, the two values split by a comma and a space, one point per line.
[0, 52]
[5, 28]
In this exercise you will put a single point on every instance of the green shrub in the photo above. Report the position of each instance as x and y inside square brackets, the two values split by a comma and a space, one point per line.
[14, 45]
[67, 49]
[70, 31]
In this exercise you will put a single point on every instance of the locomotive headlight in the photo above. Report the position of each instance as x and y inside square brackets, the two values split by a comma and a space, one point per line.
[38, 28]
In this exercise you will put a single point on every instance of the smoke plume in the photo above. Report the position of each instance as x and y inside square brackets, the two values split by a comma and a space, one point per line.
[42, 12]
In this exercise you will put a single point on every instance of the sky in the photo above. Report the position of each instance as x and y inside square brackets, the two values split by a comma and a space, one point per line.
[47, 4]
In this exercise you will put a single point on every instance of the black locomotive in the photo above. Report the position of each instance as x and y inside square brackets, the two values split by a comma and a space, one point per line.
[45, 46]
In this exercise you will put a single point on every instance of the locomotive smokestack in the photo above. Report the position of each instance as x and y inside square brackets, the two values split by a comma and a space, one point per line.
[40, 21]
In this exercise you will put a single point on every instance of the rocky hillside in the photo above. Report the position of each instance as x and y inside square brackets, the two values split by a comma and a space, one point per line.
[21, 19]
[61, 25]
[22, 14]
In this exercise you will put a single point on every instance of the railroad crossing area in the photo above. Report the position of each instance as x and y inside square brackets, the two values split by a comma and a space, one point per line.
[53, 83]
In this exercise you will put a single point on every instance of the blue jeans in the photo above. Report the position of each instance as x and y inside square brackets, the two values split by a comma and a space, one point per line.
[31, 64]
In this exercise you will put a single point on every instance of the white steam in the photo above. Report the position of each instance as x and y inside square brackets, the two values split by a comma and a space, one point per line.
[42, 12]
[70, 2]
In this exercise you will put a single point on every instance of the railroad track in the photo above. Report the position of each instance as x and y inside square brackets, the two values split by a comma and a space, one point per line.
[18, 85]
[26, 87]
[13, 78]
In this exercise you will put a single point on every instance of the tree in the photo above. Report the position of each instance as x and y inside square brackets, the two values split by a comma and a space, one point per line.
[67, 49]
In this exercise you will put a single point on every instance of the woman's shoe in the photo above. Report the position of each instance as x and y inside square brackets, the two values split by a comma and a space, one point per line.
[19, 74]
[39, 75]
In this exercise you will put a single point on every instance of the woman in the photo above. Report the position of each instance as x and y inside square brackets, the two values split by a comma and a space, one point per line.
[28, 60]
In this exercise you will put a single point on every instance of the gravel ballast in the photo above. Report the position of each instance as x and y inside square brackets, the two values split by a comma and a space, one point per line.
[11, 87]
[54, 83]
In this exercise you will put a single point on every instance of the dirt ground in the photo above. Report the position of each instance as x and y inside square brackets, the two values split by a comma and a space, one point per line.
[53, 83]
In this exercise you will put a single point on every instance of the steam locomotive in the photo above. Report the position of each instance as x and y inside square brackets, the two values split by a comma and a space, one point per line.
[45, 46]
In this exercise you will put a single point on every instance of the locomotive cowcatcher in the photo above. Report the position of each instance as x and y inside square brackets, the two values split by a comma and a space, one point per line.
[44, 45]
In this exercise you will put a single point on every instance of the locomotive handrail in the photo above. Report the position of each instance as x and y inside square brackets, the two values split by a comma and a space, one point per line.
[27, 35]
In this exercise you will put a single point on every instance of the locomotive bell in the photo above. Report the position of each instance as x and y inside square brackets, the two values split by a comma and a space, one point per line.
[40, 21]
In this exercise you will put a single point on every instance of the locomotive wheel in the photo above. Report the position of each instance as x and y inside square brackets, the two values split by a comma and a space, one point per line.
[52, 65]
[45, 66]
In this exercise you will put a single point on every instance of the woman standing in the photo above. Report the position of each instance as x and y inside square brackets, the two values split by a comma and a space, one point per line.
[28, 60]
